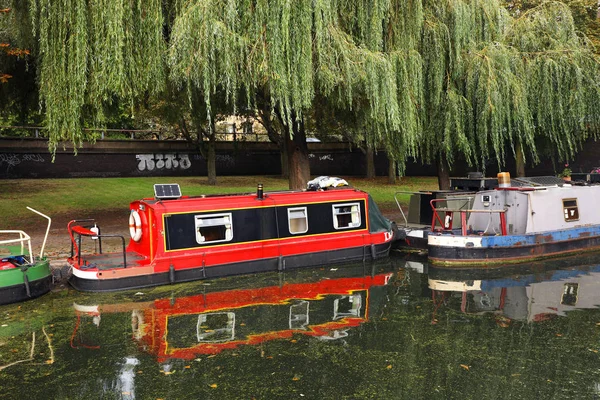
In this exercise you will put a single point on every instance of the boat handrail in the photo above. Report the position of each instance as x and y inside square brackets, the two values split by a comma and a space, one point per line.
[23, 237]
[446, 224]
[456, 196]
[47, 229]
[83, 231]
[399, 207]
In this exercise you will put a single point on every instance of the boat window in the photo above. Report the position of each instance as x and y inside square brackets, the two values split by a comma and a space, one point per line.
[347, 306]
[570, 210]
[215, 327]
[346, 215]
[569, 297]
[298, 220]
[213, 228]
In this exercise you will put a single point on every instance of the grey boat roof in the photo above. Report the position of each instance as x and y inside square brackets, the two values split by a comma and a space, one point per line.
[536, 181]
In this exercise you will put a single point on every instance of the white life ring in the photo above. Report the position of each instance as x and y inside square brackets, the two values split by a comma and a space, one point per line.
[135, 225]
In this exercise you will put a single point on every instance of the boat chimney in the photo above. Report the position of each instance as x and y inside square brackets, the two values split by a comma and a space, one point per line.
[259, 192]
[503, 179]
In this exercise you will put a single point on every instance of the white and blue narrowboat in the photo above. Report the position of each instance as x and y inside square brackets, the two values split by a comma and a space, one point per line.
[515, 224]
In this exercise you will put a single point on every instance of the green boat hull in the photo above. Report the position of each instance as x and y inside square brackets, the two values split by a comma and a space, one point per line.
[17, 285]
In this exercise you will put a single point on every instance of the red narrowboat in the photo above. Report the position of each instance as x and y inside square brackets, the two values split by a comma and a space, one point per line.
[178, 238]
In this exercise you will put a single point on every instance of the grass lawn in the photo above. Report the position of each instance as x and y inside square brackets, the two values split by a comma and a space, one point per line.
[66, 199]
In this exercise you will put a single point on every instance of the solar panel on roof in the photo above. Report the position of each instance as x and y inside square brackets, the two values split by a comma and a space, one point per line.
[167, 191]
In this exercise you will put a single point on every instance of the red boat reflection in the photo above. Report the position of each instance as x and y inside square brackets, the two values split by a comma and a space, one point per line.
[209, 323]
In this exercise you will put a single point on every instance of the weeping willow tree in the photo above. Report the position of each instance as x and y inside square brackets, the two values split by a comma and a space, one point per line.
[288, 53]
[440, 81]
[92, 53]
[494, 83]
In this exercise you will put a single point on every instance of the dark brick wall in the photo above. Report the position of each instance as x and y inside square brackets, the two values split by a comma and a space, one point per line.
[29, 158]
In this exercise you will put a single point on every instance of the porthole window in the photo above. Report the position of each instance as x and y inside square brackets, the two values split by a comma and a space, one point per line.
[213, 228]
[298, 220]
[570, 210]
[346, 216]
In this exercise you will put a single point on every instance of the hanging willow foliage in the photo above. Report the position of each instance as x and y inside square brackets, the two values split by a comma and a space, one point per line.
[491, 81]
[561, 76]
[345, 51]
[432, 79]
[91, 53]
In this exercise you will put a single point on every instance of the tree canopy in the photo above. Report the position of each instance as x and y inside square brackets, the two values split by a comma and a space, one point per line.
[430, 79]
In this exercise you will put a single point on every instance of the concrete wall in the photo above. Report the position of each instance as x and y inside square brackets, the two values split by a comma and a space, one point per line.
[29, 158]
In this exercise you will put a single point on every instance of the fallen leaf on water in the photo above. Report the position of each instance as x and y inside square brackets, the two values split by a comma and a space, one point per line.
[593, 350]
[559, 334]
[125, 393]
[213, 385]
[389, 366]
[296, 378]
[293, 340]
[140, 372]
[49, 361]
[187, 367]
[465, 366]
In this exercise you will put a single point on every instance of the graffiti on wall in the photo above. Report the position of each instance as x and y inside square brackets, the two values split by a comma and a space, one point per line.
[14, 159]
[151, 162]
[324, 157]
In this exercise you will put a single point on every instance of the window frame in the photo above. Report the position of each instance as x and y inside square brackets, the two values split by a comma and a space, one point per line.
[216, 215]
[351, 225]
[291, 209]
[566, 210]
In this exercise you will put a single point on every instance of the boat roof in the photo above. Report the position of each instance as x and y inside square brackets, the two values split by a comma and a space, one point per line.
[536, 181]
[250, 200]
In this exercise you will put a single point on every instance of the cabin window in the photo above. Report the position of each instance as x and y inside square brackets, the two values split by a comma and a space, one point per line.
[347, 306]
[213, 228]
[215, 327]
[346, 216]
[298, 220]
[570, 210]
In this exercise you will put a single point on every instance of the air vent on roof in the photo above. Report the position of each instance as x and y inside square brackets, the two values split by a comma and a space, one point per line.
[167, 191]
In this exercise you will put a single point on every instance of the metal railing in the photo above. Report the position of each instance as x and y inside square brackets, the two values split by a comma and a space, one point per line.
[446, 223]
[40, 132]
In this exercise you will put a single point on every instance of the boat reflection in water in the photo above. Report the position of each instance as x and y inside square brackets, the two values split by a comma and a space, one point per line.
[208, 323]
[535, 293]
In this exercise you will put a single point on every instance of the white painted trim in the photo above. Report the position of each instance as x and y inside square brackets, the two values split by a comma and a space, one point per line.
[454, 241]
[85, 274]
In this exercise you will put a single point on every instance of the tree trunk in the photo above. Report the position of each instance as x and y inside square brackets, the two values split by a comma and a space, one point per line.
[443, 173]
[520, 159]
[285, 168]
[391, 171]
[211, 165]
[370, 154]
[298, 166]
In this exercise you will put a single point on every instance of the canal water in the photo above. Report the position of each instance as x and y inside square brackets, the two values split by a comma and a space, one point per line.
[396, 329]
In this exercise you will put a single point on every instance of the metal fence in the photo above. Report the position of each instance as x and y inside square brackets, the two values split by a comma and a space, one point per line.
[40, 132]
